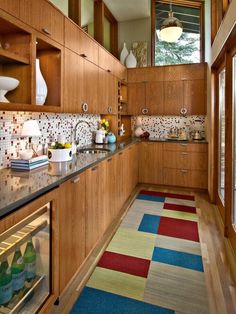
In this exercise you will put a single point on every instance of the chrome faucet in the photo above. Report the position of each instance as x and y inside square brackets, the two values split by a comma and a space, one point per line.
[76, 140]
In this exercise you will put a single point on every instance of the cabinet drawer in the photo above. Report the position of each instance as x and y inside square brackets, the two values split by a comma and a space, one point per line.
[185, 147]
[185, 178]
[188, 160]
[44, 17]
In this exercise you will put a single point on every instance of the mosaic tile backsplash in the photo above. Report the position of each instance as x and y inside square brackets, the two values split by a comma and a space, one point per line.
[51, 125]
[159, 126]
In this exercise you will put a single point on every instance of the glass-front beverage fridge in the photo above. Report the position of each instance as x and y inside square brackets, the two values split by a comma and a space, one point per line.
[26, 261]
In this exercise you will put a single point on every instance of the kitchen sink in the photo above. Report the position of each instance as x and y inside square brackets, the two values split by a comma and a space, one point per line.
[94, 150]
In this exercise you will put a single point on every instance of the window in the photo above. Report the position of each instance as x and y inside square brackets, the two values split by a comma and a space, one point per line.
[221, 137]
[189, 48]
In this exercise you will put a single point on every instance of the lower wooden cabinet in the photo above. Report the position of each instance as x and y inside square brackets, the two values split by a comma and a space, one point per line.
[185, 165]
[72, 228]
[151, 163]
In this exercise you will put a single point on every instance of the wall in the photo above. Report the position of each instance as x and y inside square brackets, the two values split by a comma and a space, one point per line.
[62, 5]
[136, 30]
[51, 125]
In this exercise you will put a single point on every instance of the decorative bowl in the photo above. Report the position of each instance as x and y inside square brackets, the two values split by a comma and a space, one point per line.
[7, 84]
[58, 155]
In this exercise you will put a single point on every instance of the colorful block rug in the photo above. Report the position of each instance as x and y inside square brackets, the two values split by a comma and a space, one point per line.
[153, 263]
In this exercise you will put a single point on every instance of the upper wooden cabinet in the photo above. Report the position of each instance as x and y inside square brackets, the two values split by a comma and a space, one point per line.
[90, 88]
[107, 92]
[145, 98]
[87, 47]
[105, 60]
[12, 7]
[44, 17]
[170, 90]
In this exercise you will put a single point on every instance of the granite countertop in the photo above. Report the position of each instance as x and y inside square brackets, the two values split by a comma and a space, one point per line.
[19, 187]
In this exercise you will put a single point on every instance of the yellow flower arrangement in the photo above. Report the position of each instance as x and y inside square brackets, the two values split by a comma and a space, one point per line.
[105, 126]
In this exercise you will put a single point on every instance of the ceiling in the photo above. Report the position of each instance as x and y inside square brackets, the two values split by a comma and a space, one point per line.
[125, 10]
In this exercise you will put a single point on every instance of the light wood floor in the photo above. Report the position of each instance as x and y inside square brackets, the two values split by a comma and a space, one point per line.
[219, 262]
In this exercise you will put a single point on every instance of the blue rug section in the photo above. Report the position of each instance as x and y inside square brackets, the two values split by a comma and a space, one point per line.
[149, 223]
[186, 260]
[151, 198]
[93, 301]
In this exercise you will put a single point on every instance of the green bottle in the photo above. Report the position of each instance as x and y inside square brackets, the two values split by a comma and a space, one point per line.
[18, 271]
[30, 261]
[5, 283]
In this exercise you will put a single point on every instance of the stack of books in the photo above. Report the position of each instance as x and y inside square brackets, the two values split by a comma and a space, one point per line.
[35, 162]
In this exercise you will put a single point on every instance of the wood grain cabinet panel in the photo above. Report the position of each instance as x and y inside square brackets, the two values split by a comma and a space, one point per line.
[107, 92]
[90, 87]
[154, 98]
[186, 147]
[87, 47]
[173, 97]
[151, 163]
[12, 7]
[72, 35]
[136, 98]
[72, 228]
[195, 97]
[73, 82]
[43, 17]
[186, 160]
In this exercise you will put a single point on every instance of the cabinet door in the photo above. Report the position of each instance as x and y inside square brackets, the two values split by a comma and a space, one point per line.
[12, 7]
[72, 35]
[87, 47]
[151, 163]
[44, 17]
[90, 88]
[72, 228]
[103, 91]
[113, 94]
[95, 205]
[136, 98]
[154, 98]
[195, 97]
[73, 82]
[173, 97]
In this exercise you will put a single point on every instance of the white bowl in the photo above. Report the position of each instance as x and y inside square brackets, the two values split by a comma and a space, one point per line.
[26, 154]
[58, 155]
[7, 84]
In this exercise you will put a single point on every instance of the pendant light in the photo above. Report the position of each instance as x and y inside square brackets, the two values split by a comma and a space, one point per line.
[171, 28]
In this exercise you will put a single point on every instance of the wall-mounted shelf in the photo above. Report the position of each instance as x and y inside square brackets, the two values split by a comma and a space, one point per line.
[7, 56]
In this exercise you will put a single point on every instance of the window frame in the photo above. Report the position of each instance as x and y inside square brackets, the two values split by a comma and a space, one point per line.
[198, 4]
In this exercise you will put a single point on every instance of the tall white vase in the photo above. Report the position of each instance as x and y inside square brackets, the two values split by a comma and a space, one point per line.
[131, 61]
[41, 86]
[124, 53]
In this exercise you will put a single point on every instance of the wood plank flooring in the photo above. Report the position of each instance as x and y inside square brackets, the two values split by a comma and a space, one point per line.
[221, 287]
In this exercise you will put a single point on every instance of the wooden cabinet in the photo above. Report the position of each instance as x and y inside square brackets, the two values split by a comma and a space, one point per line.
[185, 165]
[44, 17]
[173, 97]
[90, 88]
[151, 163]
[87, 47]
[107, 92]
[119, 70]
[72, 35]
[194, 97]
[73, 82]
[12, 7]
[95, 204]
[72, 228]
[145, 98]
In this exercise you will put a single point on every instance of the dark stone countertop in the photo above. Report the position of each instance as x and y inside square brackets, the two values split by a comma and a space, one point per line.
[17, 188]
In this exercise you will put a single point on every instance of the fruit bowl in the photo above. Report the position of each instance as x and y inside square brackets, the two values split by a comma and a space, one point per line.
[60, 152]
[7, 84]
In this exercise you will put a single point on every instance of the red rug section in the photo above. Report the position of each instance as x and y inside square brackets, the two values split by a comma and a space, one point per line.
[180, 208]
[125, 264]
[179, 228]
[171, 195]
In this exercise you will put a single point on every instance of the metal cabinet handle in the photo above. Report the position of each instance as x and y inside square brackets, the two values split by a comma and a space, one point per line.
[75, 180]
[184, 144]
[94, 168]
[109, 109]
[85, 107]
[83, 55]
[109, 160]
[183, 111]
[184, 154]
[184, 171]
[121, 153]
[109, 71]
[144, 111]
[46, 31]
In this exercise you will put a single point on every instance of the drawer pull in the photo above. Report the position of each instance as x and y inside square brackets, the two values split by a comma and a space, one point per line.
[184, 171]
[46, 31]
[184, 154]
[144, 111]
[76, 180]
[109, 109]
[109, 160]
[184, 144]
[121, 153]
[109, 71]
[85, 107]
[83, 55]
[94, 168]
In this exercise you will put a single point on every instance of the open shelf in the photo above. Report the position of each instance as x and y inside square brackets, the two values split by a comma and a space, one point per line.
[28, 107]
[9, 56]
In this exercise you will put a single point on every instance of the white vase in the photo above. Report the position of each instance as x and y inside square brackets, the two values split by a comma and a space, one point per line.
[131, 61]
[123, 55]
[41, 87]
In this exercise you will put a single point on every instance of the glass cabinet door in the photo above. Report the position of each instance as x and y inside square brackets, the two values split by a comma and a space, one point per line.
[221, 137]
[234, 140]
